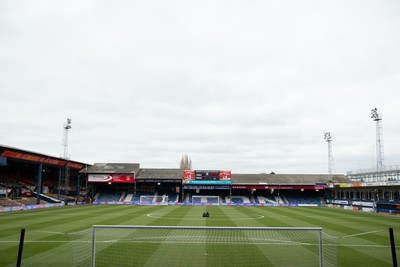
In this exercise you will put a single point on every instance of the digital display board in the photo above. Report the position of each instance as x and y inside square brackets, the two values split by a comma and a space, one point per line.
[188, 175]
[206, 175]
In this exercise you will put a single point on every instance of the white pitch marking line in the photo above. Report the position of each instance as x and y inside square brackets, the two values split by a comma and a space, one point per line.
[48, 232]
[154, 215]
[365, 233]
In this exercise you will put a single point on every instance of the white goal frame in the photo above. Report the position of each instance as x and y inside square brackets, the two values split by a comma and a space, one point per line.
[205, 203]
[317, 233]
[153, 200]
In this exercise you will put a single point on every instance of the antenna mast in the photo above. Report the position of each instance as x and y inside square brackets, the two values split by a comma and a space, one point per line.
[377, 117]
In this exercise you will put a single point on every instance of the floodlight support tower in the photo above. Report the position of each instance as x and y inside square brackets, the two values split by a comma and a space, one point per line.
[328, 139]
[67, 127]
[377, 117]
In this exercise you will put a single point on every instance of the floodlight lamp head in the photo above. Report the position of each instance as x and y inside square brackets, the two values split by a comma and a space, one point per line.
[375, 115]
[327, 136]
[67, 126]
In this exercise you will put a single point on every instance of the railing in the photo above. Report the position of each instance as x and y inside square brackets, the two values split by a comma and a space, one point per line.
[372, 170]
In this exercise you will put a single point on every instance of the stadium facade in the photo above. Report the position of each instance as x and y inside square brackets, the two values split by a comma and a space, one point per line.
[29, 178]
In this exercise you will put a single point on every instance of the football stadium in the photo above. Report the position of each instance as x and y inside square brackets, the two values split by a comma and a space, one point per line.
[59, 212]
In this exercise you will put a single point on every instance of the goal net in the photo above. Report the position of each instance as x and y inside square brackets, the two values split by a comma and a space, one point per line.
[205, 200]
[153, 200]
[114, 245]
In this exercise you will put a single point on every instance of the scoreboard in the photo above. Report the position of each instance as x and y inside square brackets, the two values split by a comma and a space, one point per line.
[206, 175]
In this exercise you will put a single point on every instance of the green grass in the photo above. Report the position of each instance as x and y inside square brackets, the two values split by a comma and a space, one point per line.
[361, 239]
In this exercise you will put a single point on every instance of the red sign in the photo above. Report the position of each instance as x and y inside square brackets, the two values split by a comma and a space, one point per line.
[111, 178]
[188, 175]
[225, 175]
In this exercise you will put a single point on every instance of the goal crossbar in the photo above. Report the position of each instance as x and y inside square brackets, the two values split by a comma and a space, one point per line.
[289, 237]
[209, 227]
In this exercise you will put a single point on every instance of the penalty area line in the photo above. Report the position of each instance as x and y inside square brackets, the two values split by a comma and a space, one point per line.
[212, 217]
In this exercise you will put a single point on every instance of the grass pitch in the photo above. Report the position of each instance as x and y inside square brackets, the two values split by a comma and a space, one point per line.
[362, 239]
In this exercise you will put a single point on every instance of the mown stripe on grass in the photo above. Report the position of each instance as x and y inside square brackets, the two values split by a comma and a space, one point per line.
[178, 254]
[358, 231]
[353, 257]
[67, 219]
[293, 253]
[311, 216]
[337, 227]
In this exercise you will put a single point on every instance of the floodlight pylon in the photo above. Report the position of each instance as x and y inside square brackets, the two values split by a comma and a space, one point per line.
[377, 117]
[328, 139]
[67, 127]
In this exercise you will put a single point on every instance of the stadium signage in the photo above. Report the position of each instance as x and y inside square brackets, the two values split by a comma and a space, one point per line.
[111, 178]
[294, 187]
[158, 181]
[340, 202]
[214, 182]
[35, 158]
[387, 183]
[206, 187]
[363, 203]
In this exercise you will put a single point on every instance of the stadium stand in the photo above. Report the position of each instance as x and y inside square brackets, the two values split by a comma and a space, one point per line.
[19, 174]
[237, 199]
[266, 200]
[108, 197]
[129, 197]
[293, 197]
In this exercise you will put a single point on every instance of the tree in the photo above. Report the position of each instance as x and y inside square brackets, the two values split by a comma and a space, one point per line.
[186, 163]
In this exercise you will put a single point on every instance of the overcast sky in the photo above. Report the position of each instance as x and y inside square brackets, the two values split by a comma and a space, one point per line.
[247, 86]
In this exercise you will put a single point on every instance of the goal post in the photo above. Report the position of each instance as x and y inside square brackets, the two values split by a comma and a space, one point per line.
[205, 200]
[129, 245]
[153, 200]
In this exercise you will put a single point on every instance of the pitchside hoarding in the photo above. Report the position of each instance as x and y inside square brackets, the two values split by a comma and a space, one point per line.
[291, 187]
[111, 178]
